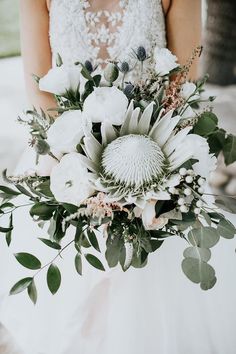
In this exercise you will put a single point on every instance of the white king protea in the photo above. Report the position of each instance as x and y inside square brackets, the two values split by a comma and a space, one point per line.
[137, 162]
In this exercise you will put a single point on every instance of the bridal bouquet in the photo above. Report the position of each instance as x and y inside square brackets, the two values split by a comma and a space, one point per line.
[124, 163]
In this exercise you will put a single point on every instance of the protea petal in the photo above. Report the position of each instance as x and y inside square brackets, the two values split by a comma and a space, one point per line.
[164, 129]
[182, 154]
[92, 147]
[133, 124]
[175, 141]
[168, 115]
[88, 163]
[145, 120]
[125, 126]
[108, 133]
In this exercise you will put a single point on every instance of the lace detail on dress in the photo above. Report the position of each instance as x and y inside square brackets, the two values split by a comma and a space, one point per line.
[80, 32]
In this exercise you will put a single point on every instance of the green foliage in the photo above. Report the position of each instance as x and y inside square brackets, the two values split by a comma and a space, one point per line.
[20, 286]
[27, 260]
[199, 272]
[53, 278]
[226, 229]
[229, 149]
[42, 210]
[50, 243]
[93, 240]
[94, 261]
[32, 292]
[206, 124]
[204, 237]
[78, 263]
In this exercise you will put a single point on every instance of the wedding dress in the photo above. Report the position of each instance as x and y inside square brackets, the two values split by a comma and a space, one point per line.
[154, 310]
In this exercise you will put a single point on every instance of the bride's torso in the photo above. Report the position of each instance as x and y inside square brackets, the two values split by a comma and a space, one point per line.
[80, 31]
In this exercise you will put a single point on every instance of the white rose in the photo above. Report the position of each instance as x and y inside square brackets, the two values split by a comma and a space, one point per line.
[187, 91]
[66, 132]
[200, 148]
[106, 104]
[165, 61]
[70, 180]
[150, 222]
[60, 79]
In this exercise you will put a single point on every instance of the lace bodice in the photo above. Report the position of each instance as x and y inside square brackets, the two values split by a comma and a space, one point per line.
[79, 31]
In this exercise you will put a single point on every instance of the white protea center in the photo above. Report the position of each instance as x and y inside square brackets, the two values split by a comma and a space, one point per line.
[133, 161]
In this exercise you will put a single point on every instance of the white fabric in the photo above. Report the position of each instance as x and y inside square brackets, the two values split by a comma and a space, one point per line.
[155, 310]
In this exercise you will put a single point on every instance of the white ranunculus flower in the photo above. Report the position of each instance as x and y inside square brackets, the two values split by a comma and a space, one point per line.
[187, 91]
[165, 61]
[70, 180]
[66, 132]
[60, 79]
[46, 164]
[207, 161]
[106, 104]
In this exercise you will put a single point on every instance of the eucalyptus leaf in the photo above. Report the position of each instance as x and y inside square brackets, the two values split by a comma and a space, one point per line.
[202, 254]
[29, 261]
[94, 261]
[9, 191]
[198, 271]
[229, 149]
[53, 278]
[20, 286]
[226, 203]
[9, 233]
[32, 292]
[114, 246]
[226, 229]
[204, 237]
[78, 263]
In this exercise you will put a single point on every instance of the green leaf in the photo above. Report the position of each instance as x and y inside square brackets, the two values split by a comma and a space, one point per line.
[42, 210]
[78, 263]
[28, 261]
[199, 272]
[32, 292]
[50, 243]
[216, 141]
[113, 249]
[229, 149]
[44, 188]
[24, 191]
[20, 286]
[53, 278]
[9, 191]
[93, 240]
[9, 233]
[4, 230]
[155, 244]
[226, 203]
[204, 237]
[206, 124]
[202, 254]
[226, 229]
[94, 261]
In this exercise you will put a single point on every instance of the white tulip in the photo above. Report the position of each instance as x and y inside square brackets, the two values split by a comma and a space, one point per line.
[61, 79]
[70, 180]
[165, 61]
[66, 132]
[187, 91]
[106, 104]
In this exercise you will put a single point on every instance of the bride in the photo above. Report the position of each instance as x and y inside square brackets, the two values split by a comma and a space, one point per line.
[154, 310]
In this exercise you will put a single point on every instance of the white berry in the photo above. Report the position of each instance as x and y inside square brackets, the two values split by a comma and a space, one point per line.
[183, 171]
[187, 191]
[200, 190]
[200, 181]
[181, 201]
[184, 209]
[189, 179]
[197, 211]
[199, 204]
[190, 172]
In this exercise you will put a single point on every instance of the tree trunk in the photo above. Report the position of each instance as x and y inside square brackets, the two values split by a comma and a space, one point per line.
[220, 42]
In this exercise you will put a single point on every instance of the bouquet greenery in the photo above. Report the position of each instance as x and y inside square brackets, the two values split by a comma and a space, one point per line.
[125, 162]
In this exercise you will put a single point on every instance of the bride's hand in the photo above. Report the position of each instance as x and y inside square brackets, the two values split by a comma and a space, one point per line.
[35, 48]
[183, 21]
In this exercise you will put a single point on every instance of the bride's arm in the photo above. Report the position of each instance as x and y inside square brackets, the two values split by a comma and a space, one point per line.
[35, 48]
[183, 21]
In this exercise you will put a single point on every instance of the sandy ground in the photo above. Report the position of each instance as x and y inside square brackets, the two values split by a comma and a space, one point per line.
[13, 137]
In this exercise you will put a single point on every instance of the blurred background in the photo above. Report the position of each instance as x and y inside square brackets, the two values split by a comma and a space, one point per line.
[218, 60]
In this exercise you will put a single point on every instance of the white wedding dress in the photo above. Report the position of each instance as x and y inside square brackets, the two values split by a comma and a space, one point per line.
[154, 310]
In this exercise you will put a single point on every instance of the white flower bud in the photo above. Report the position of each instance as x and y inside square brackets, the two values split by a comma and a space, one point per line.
[201, 181]
[199, 204]
[190, 172]
[200, 190]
